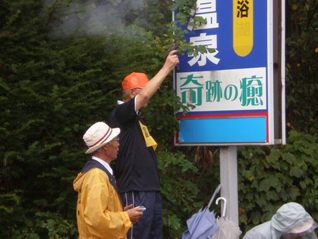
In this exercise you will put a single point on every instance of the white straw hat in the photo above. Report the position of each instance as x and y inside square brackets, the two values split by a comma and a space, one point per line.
[98, 135]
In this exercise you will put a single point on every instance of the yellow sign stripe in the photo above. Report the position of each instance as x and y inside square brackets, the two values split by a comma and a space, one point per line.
[243, 26]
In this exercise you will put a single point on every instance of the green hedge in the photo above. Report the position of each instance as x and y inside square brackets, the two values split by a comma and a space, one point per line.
[52, 88]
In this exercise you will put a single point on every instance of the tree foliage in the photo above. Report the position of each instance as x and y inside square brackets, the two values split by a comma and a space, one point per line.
[60, 71]
[272, 176]
[301, 67]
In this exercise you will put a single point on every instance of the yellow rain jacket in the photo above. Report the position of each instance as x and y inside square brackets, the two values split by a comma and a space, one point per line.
[99, 210]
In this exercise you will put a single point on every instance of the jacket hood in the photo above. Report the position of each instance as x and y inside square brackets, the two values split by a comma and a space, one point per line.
[289, 216]
[78, 181]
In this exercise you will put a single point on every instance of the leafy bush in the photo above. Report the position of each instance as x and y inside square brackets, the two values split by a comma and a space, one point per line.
[272, 176]
[53, 85]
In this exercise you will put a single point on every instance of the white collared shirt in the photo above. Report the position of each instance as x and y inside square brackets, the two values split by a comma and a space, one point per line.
[105, 164]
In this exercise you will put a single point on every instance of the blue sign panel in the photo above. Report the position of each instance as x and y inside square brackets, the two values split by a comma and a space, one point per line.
[220, 37]
[231, 87]
[222, 130]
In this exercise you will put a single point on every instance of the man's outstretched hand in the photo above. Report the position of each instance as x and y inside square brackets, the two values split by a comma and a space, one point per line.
[172, 60]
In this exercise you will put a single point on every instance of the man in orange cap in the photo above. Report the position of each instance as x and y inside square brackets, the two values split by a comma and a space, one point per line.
[136, 166]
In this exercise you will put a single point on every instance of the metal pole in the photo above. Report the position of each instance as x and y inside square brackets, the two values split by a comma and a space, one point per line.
[228, 174]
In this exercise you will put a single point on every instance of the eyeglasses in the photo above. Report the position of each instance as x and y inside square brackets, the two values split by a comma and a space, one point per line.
[136, 90]
[109, 143]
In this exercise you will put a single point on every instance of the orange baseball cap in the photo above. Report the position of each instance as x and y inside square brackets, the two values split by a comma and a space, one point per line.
[134, 80]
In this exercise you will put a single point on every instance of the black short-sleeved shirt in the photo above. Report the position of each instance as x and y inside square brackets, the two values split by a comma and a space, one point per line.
[135, 168]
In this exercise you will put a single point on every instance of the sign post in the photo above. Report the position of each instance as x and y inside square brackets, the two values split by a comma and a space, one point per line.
[238, 90]
[228, 174]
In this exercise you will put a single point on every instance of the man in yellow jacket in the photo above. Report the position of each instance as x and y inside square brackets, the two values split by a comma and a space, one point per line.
[99, 210]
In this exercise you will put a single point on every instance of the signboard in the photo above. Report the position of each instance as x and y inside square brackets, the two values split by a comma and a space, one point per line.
[232, 88]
